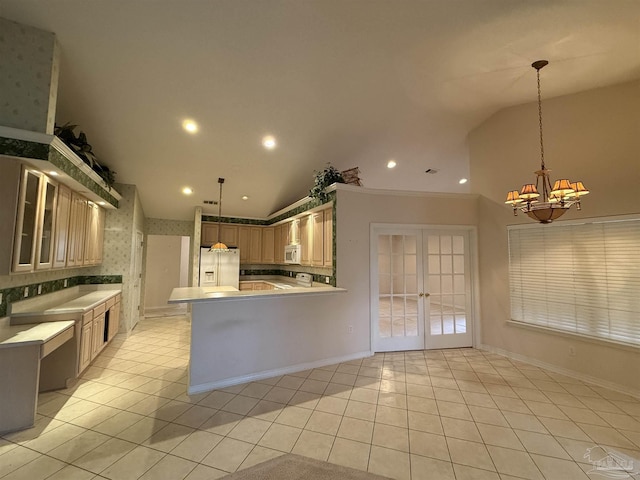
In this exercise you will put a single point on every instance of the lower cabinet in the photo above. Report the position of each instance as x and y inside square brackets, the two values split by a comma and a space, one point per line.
[86, 344]
[255, 285]
[99, 326]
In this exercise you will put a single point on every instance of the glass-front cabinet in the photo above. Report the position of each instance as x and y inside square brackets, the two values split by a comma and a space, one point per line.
[34, 226]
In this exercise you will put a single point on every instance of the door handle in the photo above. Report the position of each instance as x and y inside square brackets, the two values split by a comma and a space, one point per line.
[423, 294]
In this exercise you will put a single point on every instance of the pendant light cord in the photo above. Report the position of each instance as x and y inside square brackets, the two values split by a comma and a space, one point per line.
[220, 181]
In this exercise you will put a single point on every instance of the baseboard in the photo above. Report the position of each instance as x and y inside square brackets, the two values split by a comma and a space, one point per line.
[228, 382]
[563, 371]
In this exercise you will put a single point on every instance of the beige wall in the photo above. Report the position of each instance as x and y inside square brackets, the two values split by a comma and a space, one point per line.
[592, 136]
[356, 210]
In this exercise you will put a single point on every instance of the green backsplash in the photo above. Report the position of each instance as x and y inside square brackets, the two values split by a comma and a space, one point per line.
[14, 294]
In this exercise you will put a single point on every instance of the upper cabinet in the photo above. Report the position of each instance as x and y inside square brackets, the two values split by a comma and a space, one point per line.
[328, 237]
[24, 245]
[228, 234]
[48, 223]
[63, 214]
[264, 245]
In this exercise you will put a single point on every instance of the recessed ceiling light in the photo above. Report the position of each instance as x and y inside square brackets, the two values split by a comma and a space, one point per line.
[102, 203]
[53, 173]
[269, 142]
[187, 190]
[244, 197]
[462, 181]
[391, 163]
[190, 126]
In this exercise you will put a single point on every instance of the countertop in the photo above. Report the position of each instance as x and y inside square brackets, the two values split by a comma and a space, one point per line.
[287, 286]
[82, 302]
[16, 335]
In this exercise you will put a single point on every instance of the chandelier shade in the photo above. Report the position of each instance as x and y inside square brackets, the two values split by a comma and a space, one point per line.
[550, 203]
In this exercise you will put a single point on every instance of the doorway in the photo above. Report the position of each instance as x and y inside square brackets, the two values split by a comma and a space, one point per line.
[421, 288]
[167, 267]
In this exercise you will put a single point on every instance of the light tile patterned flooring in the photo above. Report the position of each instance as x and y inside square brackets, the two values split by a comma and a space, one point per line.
[452, 414]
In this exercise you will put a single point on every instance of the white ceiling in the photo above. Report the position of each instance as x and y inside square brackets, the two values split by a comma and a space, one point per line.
[351, 82]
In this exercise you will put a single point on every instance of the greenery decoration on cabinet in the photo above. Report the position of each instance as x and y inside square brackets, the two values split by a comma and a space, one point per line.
[322, 179]
[84, 150]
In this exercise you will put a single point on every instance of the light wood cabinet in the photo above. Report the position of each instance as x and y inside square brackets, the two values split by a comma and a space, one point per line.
[244, 243]
[209, 234]
[328, 238]
[228, 234]
[306, 237]
[77, 221]
[114, 319]
[282, 237]
[46, 223]
[33, 243]
[255, 285]
[99, 326]
[255, 245]
[86, 346]
[317, 239]
[294, 232]
[63, 216]
[98, 335]
[93, 239]
[268, 245]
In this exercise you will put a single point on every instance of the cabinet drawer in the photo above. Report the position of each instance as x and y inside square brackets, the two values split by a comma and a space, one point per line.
[56, 341]
[100, 309]
[87, 317]
[111, 302]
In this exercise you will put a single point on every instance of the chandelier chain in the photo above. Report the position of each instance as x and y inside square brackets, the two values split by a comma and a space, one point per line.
[540, 120]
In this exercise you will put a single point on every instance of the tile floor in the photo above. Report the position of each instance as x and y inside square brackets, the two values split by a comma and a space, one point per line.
[452, 414]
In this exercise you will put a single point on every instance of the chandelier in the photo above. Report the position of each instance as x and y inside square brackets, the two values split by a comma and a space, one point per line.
[551, 203]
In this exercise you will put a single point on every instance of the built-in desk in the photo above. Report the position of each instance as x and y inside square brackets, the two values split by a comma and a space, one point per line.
[26, 351]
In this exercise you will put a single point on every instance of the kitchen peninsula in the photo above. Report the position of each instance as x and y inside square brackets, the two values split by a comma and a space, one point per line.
[238, 336]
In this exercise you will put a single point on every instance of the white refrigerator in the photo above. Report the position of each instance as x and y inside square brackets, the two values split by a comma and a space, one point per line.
[219, 268]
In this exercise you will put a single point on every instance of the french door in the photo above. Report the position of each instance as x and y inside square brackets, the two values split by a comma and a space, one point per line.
[420, 289]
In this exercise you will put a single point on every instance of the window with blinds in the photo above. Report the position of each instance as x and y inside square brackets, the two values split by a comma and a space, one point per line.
[579, 278]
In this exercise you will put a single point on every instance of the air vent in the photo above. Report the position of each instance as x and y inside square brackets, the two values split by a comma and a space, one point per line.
[210, 202]
[431, 171]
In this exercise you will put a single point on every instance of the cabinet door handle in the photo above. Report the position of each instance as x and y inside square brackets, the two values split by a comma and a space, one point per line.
[421, 294]
[427, 294]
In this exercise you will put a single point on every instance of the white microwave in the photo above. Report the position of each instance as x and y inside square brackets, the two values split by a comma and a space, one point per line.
[292, 253]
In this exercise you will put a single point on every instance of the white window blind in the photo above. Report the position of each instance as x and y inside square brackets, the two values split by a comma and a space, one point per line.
[582, 278]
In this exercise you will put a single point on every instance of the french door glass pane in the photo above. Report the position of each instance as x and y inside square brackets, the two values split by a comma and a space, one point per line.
[447, 284]
[398, 285]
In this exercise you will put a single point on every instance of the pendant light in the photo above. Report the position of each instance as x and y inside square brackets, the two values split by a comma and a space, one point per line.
[219, 246]
[555, 201]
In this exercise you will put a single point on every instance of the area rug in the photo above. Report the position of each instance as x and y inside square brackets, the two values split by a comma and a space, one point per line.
[295, 467]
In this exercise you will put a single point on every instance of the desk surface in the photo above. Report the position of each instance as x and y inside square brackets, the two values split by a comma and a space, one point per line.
[33, 333]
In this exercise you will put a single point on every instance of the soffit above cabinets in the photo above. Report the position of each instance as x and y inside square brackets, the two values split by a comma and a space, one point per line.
[48, 153]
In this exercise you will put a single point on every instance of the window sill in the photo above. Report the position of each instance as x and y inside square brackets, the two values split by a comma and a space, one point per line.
[586, 338]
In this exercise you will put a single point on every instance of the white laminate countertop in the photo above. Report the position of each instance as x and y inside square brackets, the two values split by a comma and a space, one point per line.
[207, 294]
[82, 302]
[16, 335]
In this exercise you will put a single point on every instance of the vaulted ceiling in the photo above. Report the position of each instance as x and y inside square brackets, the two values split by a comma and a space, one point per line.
[351, 82]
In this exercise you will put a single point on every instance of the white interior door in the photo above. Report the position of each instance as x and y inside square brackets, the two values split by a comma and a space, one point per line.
[137, 279]
[447, 294]
[395, 298]
[420, 289]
